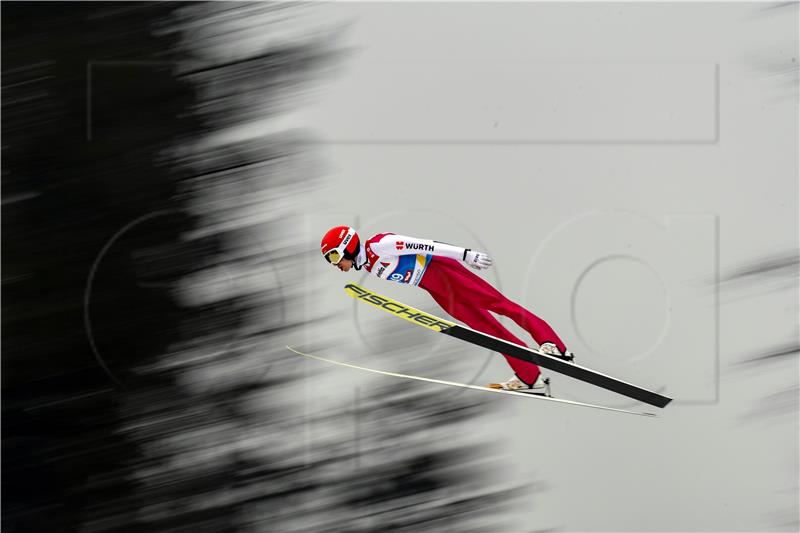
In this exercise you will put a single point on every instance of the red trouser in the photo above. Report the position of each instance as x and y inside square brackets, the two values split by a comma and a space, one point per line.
[468, 298]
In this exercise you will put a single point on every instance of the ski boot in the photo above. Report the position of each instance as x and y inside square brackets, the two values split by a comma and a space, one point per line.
[549, 348]
[540, 387]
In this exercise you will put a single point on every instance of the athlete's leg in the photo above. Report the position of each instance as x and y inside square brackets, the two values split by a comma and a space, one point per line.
[483, 295]
[538, 328]
[443, 288]
[484, 322]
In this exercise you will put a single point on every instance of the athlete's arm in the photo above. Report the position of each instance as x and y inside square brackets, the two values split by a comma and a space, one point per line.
[404, 245]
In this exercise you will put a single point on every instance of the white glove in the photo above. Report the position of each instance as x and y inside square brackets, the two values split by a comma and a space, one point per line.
[477, 260]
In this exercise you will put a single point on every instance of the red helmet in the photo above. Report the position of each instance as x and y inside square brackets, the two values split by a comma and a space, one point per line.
[340, 242]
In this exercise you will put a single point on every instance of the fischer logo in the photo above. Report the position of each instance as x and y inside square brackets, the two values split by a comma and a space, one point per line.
[409, 313]
[418, 246]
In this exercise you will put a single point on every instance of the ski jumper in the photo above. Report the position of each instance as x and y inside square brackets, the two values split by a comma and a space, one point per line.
[436, 267]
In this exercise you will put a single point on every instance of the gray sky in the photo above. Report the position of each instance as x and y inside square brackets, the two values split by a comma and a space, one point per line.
[614, 159]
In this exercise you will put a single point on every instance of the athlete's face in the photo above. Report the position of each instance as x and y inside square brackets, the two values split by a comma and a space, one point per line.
[345, 264]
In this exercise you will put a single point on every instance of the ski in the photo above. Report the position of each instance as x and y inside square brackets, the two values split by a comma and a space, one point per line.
[466, 386]
[493, 343]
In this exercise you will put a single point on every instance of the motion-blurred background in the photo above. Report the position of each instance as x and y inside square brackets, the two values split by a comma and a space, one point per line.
[168, 170]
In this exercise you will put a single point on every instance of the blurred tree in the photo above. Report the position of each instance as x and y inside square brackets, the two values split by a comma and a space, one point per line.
[174, 409]
[89, 104]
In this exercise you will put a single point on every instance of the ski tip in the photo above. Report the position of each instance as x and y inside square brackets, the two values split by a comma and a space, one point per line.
[294, 350]
[354, 290]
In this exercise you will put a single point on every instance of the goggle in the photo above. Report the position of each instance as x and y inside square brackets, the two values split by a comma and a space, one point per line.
[334, 256]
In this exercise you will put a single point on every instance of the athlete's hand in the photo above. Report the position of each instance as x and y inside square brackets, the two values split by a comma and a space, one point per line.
[477, 260]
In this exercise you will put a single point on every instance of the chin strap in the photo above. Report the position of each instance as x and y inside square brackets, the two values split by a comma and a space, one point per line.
[360, 259]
